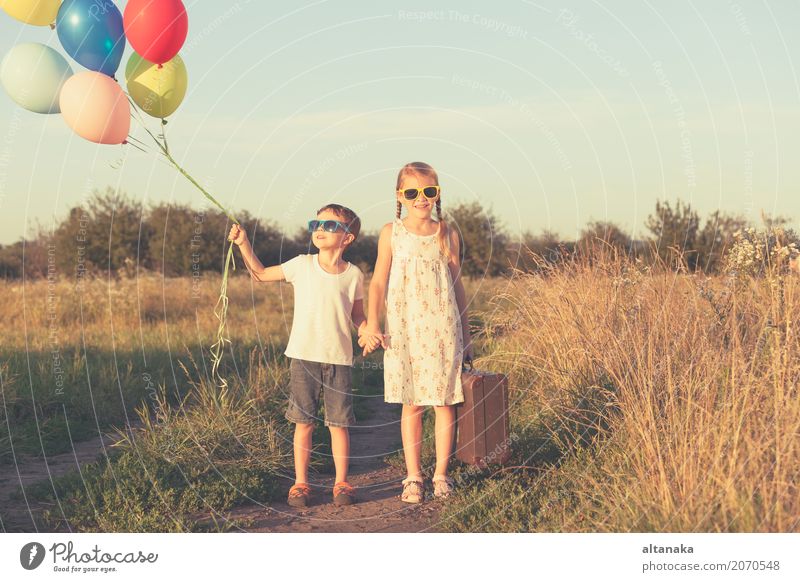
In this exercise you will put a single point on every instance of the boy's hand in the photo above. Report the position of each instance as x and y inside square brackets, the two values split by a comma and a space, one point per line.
[237, 235]
[370, 338]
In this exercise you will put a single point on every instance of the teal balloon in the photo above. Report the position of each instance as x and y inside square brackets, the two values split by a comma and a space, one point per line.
[32, 74]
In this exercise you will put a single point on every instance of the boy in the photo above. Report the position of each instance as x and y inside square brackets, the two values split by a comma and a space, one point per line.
[328, 298]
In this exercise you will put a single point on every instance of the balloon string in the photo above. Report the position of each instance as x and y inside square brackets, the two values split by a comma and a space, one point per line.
[217, 349]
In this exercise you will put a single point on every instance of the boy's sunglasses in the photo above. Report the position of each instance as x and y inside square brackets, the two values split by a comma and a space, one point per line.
[431, 193]
[327, 225]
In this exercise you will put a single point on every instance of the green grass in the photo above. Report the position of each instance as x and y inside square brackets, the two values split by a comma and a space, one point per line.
[98, 389]
[213, 450]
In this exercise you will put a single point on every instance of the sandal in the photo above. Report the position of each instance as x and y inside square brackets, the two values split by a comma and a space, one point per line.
[299, 495]
[344, 493]
[413, 490]
[443, 485]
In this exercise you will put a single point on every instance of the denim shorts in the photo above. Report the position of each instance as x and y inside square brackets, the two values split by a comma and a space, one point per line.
[307, 380]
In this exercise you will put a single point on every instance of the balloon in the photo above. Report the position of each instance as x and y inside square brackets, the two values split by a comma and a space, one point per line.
[91, 32]
[157, 90]
[36, 12]
[156, 29]
[96, 108]
[33, 74]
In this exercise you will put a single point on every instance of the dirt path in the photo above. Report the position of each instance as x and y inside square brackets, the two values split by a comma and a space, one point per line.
[17, 511]
[379, 508]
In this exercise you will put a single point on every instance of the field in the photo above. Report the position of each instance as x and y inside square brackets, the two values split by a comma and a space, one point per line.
[642, 400]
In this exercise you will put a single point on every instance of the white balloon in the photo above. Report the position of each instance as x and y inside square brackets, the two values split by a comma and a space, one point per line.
[33, 74]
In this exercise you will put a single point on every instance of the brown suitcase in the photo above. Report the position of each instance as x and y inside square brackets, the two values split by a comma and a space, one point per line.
[482, 434]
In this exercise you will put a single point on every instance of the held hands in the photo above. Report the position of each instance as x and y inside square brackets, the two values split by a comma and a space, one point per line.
[237, 235]
[370, 338]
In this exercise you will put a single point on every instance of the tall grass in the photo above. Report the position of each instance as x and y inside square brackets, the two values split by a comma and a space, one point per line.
[671, 400]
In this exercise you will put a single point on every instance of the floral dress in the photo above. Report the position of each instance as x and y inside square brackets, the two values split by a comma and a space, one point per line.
[422, 362]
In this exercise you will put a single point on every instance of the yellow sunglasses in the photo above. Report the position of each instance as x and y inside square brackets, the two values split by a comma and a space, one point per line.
[430, 192]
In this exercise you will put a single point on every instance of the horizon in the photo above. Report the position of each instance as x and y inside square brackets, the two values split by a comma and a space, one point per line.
[293, 231]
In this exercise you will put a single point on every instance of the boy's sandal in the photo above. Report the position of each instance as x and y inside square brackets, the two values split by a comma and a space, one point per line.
[299, 495]
[443, 485]
[413, 490]
[344, 493]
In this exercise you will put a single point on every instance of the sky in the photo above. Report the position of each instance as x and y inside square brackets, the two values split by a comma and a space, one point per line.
[550, 114]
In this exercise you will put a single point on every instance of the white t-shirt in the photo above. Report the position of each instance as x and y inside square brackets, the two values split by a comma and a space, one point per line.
[323, 307]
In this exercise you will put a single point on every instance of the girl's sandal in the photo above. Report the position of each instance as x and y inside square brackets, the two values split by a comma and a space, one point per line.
[413, 490]
[299, 495]
[443, 486]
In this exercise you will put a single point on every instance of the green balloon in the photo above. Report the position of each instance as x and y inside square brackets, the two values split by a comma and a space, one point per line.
[32, 74]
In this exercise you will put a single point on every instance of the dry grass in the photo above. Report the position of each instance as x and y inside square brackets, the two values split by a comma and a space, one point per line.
[643, 401]
[699, 416]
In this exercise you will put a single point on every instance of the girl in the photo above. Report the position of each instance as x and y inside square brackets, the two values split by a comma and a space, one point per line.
[427, 336]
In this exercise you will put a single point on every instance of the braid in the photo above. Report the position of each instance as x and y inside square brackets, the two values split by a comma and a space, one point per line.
[443, 237]
[399, 208]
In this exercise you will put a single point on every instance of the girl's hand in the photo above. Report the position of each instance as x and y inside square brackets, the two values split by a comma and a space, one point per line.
[237, 235]
[370, 344]
[467, 354]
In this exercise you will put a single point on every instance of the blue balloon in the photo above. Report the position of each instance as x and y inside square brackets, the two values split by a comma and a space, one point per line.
[91, 32]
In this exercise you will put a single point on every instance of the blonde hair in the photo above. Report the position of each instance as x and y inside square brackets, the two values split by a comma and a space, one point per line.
[426, 170]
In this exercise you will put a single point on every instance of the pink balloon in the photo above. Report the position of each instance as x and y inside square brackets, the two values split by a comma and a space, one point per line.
[95, 107]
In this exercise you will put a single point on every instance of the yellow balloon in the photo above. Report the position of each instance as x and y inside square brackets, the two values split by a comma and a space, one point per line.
[36, 12]
[157, 90]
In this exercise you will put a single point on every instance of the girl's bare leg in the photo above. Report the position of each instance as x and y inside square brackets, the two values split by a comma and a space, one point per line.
[444, 430]
[411, 431]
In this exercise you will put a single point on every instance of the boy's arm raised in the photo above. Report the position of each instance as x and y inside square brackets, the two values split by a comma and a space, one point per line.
[255, 267]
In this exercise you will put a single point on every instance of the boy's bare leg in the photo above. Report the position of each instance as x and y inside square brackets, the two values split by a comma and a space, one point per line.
[411, 431]
[444, 431]
[302, 450]
[340, 447]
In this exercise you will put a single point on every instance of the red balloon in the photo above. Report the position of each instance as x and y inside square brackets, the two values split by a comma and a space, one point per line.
[156, 29]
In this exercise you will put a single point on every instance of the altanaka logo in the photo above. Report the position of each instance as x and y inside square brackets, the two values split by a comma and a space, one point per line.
[31, 555]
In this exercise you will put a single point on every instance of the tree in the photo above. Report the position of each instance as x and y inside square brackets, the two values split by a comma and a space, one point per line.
[675, 230]
[178, 245]
[483, 241]
[11, 261]
[546, 245]
[270, 243]
[600, 238]
[716, 238]
[363, 252]
[103, 233]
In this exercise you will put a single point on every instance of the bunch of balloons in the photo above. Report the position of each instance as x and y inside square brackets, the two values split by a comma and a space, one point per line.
[94, 33]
